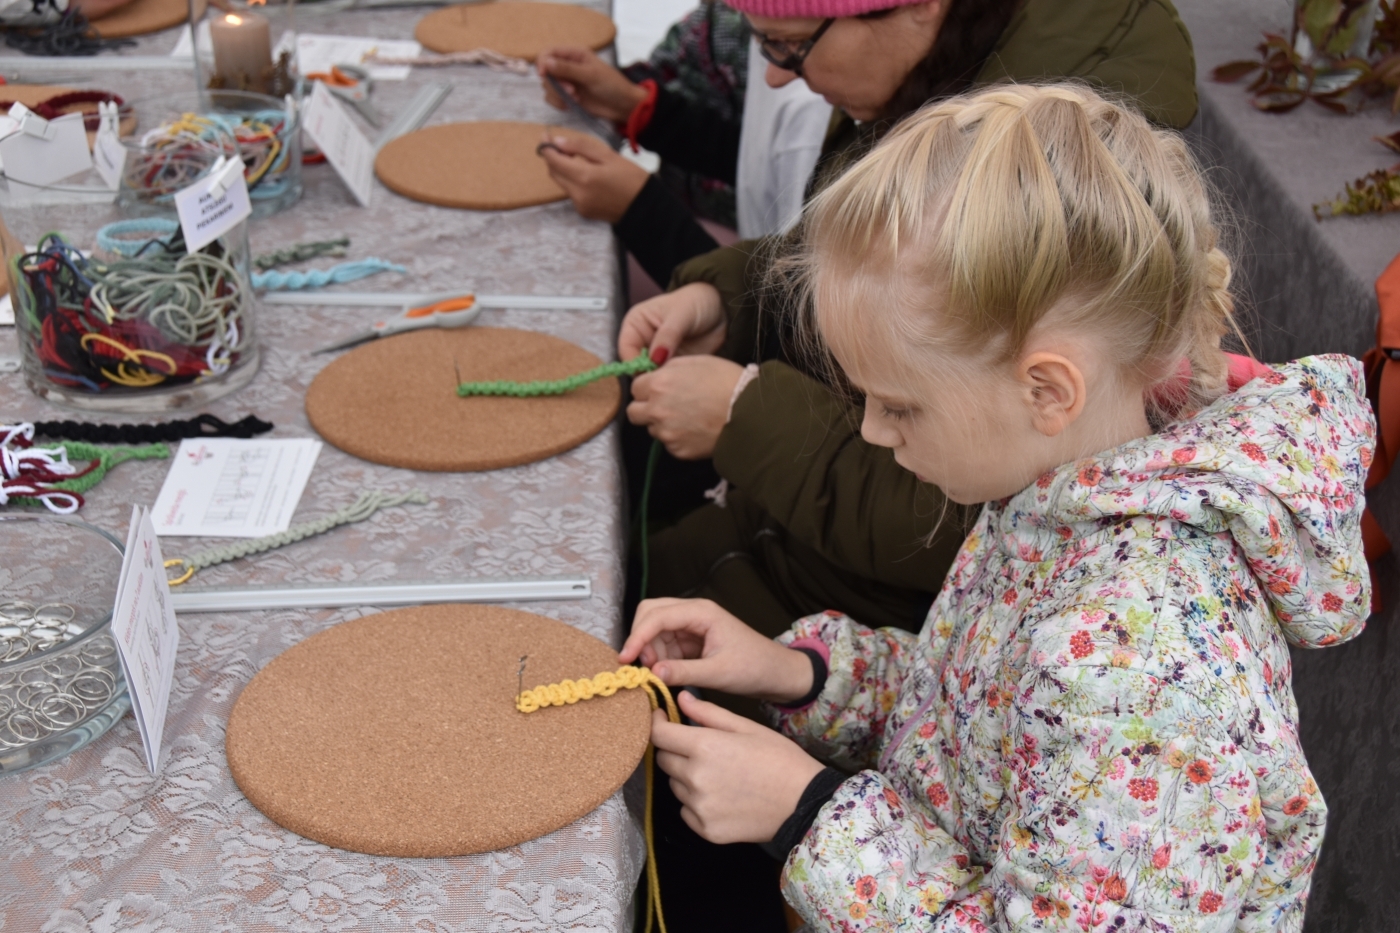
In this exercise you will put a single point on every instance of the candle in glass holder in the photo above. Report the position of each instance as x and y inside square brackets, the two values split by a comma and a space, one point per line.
[242, 50]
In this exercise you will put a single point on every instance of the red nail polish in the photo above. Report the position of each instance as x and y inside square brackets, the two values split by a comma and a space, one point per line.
[661, 356]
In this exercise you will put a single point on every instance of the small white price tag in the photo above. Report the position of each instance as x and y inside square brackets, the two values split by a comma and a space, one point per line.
[213, 205]
[144, 628]
[108, 154]
[42, 152]
[345, 147]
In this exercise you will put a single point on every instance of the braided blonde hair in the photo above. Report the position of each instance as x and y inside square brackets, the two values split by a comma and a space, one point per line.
[1000, 207]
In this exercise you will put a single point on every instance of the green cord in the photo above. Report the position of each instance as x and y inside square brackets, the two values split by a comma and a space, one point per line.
[652, 457]
[107, 457]
[639, 364]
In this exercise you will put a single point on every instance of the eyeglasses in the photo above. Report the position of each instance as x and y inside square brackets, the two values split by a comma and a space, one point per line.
[789, 54]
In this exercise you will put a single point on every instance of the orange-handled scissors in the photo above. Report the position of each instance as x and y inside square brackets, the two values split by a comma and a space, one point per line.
[454, 312]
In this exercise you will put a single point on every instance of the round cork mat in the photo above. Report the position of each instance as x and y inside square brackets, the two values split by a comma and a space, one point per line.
[394, 401]
[142, 17]
[397, 734]
[520, 30]
[486, 166]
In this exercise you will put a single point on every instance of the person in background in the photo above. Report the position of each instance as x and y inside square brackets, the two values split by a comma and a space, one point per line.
[1095, 729]
[40, 12]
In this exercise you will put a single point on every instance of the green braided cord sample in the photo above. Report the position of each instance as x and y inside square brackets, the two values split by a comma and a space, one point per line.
[106, 457]
[639, 364]
[366, 505]
[302, 251]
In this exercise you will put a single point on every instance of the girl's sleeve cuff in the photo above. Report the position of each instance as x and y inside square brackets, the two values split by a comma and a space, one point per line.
[820, 657]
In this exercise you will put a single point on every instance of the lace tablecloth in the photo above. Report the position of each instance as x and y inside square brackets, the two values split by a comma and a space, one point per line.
[95, 843]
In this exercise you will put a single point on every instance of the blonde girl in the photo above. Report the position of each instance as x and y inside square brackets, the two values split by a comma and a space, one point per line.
[1095, 729]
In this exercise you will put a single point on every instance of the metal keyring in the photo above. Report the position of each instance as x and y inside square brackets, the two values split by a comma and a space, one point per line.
[64, 667]
[93, 689]
[62, 710]
[44, 613]
[17, 610]
[20, 716]
[99, 651]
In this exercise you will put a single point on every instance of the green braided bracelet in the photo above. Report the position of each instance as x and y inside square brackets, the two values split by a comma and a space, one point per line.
[106, 457]
[641, 363]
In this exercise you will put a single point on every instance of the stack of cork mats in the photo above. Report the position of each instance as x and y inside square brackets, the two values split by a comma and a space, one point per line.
[394, 401]
[398, 734]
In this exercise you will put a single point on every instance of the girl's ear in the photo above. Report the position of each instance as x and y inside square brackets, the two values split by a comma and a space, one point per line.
[1053, 391]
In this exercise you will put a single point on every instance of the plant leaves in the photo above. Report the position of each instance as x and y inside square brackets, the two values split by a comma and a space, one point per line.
[1231, 72]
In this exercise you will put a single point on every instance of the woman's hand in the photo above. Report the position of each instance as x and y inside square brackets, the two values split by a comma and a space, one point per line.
[685, 404]
[695, 643]
[601, 183]
[737, 781]
[689, 320]
[600, 88]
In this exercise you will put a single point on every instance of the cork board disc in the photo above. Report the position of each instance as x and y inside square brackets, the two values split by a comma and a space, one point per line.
[142, 17]
[394, 401]
[485, 166]
[397, 734]
[520, 30]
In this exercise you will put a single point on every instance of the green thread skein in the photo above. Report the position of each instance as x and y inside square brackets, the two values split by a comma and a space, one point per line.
[642, 363]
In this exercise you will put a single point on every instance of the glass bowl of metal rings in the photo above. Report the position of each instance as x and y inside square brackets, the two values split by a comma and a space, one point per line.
[138, 324]
[181, 136]
[61, 683]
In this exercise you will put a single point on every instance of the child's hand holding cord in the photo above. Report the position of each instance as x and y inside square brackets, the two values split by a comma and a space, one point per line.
[737, 781]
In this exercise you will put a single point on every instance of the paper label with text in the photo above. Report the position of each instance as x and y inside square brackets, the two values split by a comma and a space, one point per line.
[144, 628]
[32, 160]
[344, 146]
[233, 488]
[204, 216]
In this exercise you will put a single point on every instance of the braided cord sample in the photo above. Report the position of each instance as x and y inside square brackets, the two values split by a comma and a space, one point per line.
[641, 363]
[104, 458]
[168, 431]
[299, 252]
[605, 685]
[275, 280]
[362, 508]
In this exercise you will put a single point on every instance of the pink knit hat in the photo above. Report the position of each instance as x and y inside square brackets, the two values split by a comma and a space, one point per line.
[813, 9]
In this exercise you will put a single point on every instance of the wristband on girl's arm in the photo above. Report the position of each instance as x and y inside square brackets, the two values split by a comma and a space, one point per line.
[818, 680]
[641, 114]
[819, 790]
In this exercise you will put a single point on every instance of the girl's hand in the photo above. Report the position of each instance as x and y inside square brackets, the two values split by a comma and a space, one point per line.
[686, 321]
[695, 643]
[685, 405]
[600, 88]
[737, 781]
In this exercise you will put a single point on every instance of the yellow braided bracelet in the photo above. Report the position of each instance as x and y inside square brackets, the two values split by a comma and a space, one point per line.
[568, 692]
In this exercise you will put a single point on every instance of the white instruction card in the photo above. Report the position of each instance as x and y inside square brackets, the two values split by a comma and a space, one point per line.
[206, 216]
[224, 487]
[344, 146]
[321, 53]
[109, 157]
[144, 628]
[34, 160]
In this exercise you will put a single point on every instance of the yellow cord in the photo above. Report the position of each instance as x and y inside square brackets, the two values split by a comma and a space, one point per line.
[605, 685]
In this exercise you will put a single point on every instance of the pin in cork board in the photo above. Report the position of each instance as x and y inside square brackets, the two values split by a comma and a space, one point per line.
[518, 29]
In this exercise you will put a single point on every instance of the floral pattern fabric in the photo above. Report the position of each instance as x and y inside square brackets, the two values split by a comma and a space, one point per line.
[1096, 728]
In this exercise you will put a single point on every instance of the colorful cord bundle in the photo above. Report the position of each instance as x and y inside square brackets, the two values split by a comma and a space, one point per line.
[165, 317]
[175, 154]
[47, 475]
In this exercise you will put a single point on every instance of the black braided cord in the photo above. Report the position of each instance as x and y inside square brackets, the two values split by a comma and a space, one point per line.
[167, 431]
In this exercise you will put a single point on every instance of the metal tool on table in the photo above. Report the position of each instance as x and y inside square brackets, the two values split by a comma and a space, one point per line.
[446, 309]
[412, 117]
[352, 84]
[597, 124]
[407, 300]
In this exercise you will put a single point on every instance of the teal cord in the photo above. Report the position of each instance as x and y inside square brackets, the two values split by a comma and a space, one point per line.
[639, 364]
[652, 456]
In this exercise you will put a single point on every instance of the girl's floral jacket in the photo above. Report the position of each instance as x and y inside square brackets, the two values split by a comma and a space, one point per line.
[1096, 729]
